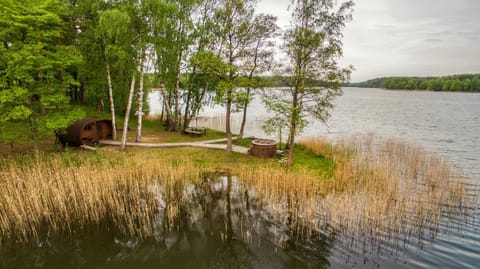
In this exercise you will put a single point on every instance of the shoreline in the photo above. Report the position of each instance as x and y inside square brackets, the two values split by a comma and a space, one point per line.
[411, 90]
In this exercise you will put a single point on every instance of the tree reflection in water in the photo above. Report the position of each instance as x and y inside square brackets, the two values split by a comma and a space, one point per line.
[219, 224]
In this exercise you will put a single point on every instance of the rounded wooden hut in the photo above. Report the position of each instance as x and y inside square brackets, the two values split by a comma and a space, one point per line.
[86, 132]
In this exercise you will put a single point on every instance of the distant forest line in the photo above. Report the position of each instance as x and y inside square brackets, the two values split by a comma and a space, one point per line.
[460, 83]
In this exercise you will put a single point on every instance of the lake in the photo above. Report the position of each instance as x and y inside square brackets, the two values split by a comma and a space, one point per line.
[224, 224]
[446, 123]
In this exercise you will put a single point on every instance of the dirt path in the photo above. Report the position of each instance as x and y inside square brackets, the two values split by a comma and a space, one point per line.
[210, 144]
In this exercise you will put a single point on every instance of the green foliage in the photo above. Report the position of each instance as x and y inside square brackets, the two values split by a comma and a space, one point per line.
[109, 34]
[34, 69]
[465, 82]
[312, 43]
[210, 67]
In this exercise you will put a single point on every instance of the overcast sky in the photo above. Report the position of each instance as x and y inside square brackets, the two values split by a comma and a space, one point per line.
[406, 37]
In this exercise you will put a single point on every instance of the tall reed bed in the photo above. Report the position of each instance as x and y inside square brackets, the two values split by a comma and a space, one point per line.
[381, 189]
[52, 197]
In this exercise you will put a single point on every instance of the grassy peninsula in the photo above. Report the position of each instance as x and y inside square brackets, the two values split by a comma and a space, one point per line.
[350, 185]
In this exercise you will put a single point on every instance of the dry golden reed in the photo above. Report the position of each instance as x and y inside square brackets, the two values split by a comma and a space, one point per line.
[51, 197]
[381, 188]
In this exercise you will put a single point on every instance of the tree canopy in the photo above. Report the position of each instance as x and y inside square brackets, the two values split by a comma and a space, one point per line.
[313, 44]
[35, 68]
[56, 55]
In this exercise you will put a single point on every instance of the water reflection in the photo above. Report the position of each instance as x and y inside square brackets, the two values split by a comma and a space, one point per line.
[220, 224]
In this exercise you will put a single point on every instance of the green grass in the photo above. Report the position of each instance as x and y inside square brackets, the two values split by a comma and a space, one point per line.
[305, 159]
[153, 131]
[245, 142]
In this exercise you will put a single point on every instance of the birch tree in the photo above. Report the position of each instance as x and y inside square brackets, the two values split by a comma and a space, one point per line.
[258, 59]
[137, 37]
[233, 22]
[112, 30]
[313, 44]
[171, 36]
[197, 84]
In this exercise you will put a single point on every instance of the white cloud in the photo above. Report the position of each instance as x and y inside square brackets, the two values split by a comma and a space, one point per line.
[408, 37]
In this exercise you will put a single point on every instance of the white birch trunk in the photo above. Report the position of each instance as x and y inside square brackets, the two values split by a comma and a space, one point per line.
[112, 105]
[140, 103]
[127, 114]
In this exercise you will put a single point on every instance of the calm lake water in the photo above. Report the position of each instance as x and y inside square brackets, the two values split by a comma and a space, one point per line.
[446, 123]
[442, 122]
[224, 225]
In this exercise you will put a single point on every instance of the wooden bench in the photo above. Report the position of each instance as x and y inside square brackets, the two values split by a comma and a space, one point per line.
[196, 131]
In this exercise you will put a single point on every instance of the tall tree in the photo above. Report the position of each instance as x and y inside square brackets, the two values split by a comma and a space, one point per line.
[312, 43]
[171, 36]
[197, 84]
[137, 41]
[233, 25]
[112, 29]
[258, 59]
[33, 67]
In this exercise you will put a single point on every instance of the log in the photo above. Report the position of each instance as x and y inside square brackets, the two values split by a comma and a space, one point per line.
[88, 147]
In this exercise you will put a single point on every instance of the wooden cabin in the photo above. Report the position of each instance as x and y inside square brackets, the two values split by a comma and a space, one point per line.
[86, 132]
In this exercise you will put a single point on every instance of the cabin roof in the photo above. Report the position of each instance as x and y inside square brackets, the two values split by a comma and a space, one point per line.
[74, 131]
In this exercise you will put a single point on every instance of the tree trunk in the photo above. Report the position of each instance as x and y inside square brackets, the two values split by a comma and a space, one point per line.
[166, 106]
[82, 92]
[186, 118]
[33, 131]
[293, 127]
[163, 111]
[34, 136]
[127, 114]
[112, 104]
[198, 105]
[101, 106]
[229, 100]
[227, 123]
[177, 95]
[244, 117]
[140, 104]
[176, 122]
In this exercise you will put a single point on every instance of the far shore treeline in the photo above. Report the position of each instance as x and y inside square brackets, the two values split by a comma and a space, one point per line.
[153, 83]
[460, 83]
